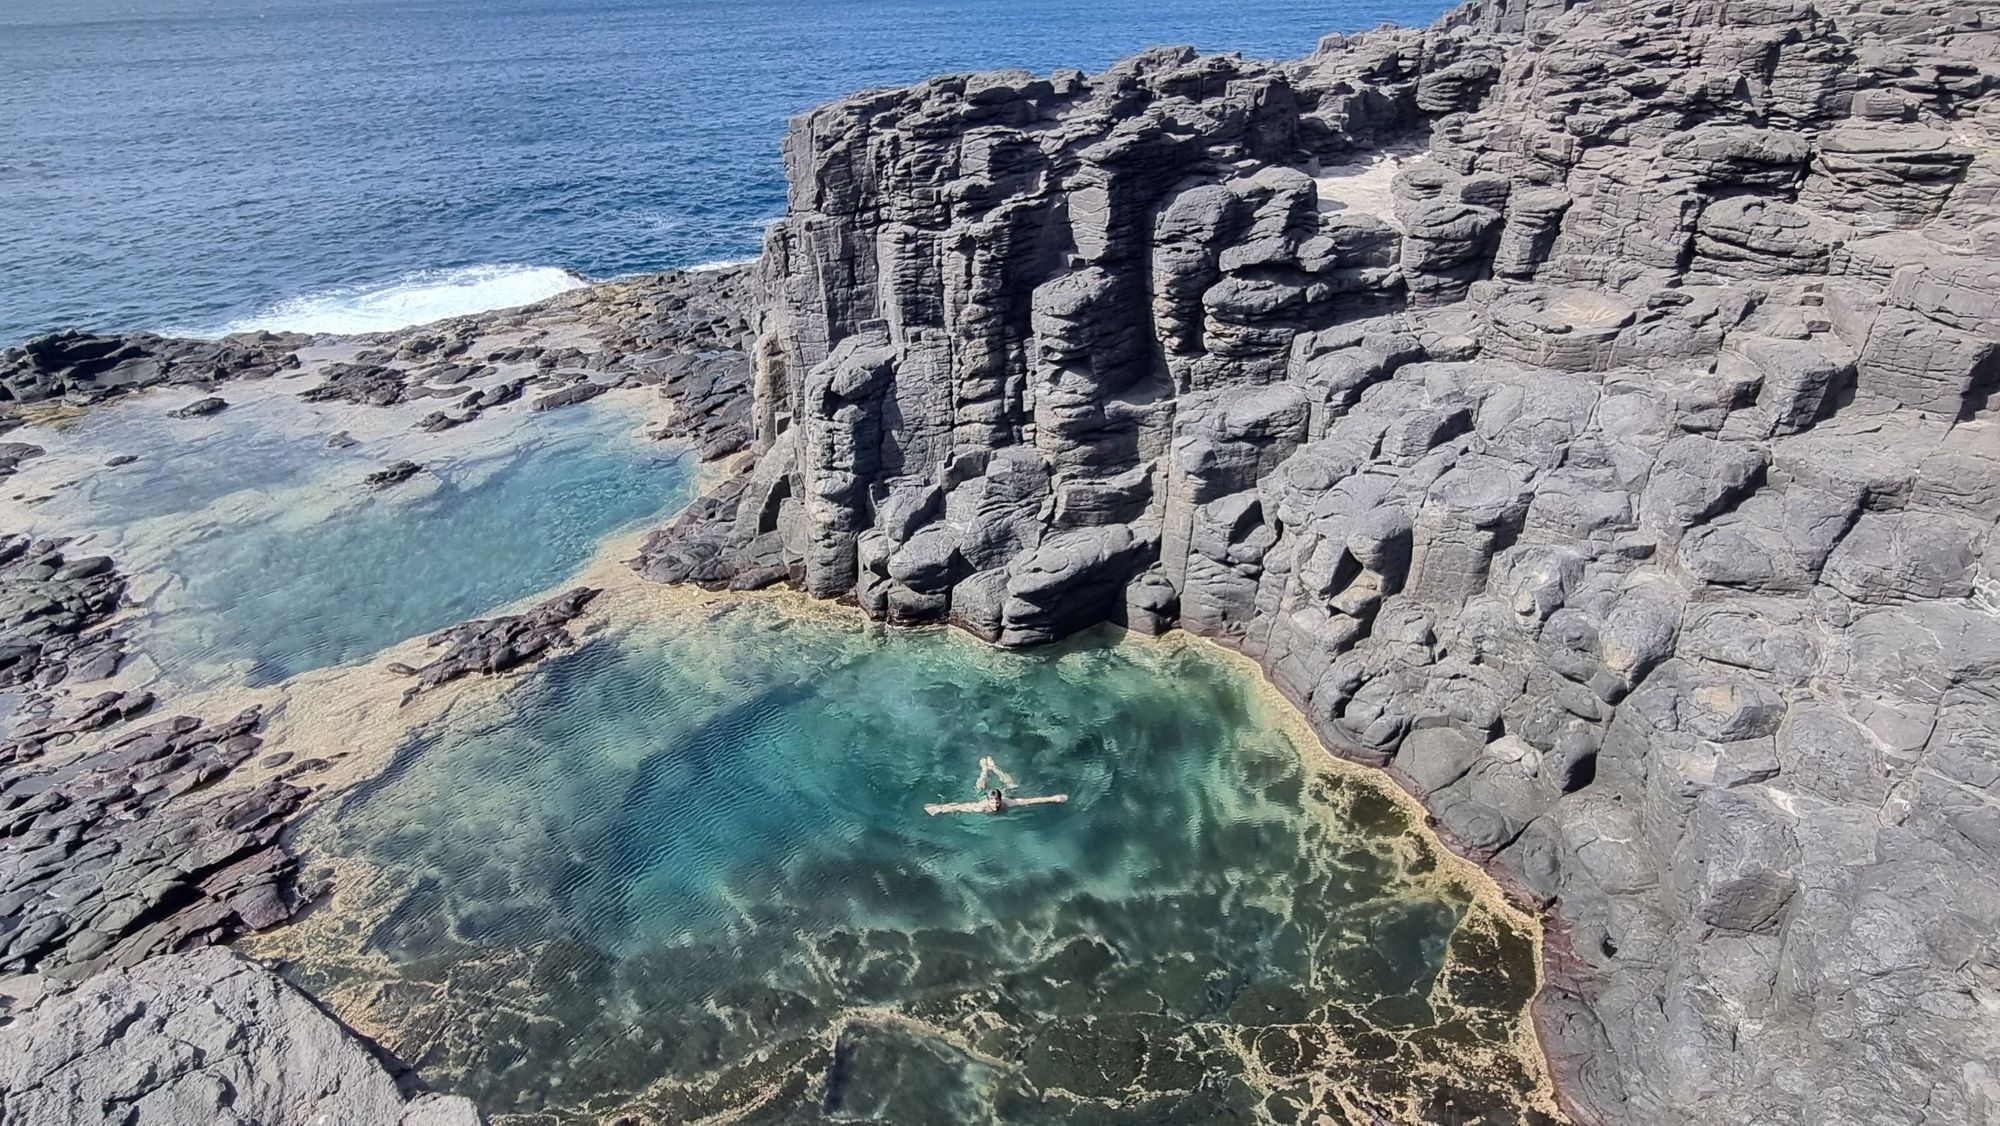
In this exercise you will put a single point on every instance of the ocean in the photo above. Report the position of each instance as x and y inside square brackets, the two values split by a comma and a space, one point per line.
[204, 166]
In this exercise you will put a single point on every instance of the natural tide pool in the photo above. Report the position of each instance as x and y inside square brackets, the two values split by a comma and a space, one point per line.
[254, 552]
[684, 872]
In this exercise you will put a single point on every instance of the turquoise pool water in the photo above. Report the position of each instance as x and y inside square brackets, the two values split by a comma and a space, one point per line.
[285, 598]
[255, 553]
[686, 871]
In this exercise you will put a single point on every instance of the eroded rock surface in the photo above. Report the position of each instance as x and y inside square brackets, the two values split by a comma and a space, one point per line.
[495, 645]
[128, 847]
[206, 1036]
[1627, 485]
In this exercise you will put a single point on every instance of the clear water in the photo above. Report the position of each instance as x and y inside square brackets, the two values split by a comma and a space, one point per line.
[203, 164]
[288, 598]
[687, 869]
[256, 554]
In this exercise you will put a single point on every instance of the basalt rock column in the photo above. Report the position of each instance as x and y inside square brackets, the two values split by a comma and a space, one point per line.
[1625, 482]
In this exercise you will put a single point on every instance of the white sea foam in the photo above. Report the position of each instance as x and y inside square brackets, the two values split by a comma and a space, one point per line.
[428, 295]
[720, 264]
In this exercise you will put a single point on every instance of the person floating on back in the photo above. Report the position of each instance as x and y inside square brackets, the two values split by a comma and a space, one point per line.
[996, 801]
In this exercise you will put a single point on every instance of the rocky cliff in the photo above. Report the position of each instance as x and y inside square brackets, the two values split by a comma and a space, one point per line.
[1623, 478]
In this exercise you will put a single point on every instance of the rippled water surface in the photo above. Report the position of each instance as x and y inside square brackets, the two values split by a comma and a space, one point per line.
[255, 553]
[687, 870]
[202, 164]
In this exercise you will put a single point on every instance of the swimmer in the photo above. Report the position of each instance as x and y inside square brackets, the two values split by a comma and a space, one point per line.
[996, 800]
[993, 803]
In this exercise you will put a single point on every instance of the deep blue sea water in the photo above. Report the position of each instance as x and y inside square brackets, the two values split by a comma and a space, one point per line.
[349, 164]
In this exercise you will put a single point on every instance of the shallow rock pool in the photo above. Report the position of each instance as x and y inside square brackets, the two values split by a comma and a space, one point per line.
[255, 553]
[686, 871]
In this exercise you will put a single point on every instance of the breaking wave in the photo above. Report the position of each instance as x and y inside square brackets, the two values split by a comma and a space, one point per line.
[720, 264]
[413, 299]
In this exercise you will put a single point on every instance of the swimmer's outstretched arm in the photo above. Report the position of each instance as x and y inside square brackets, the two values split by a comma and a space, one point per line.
[984, 807]
[957, 807]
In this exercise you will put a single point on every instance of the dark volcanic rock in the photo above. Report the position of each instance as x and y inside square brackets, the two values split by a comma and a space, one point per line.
[579, 392]
[393, 474]
[1628, 487]
[125, 850]
[495, 645]
[33, 737]
[200, 408]
[689, 334]
[12, 454]
[205, 1036]
[48, 604]
[495, 395]
[120, 848]
[722, 441]
[686, 332]
[84, 367]
[360, 384]
[715, 399]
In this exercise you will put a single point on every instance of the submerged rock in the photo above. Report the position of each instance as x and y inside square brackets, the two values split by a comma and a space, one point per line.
[200, 408]
[12, 454]
[580, 392]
